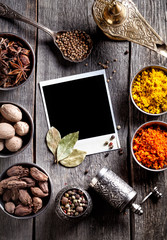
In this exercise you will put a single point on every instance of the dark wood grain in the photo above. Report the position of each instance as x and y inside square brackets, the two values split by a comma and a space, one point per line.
[153, 223]
[104, 221]
[10, 228]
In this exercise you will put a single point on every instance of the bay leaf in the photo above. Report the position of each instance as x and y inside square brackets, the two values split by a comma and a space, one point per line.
[66, 145]
[74, 159]
[52, 139]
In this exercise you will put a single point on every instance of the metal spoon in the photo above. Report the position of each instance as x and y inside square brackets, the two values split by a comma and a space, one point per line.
[82, 37]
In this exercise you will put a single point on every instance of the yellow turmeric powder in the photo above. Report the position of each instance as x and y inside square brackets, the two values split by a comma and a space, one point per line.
[149, 91]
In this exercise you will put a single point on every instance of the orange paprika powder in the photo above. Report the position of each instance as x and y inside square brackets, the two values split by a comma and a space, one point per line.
[150, 147]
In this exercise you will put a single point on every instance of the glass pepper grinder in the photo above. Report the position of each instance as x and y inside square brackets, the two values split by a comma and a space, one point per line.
[117, 192]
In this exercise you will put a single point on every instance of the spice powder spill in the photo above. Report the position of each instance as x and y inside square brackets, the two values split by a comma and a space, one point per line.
[150, 147]
[149, 91]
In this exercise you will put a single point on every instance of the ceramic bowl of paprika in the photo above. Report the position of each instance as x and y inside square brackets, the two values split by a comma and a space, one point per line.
[149, 146]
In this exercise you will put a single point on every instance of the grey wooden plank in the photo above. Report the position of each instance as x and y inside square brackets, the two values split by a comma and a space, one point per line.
[104, 222]
[153, 224]
[10, 228]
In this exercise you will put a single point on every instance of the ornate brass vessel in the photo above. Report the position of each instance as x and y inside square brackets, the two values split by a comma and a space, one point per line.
[121, 20]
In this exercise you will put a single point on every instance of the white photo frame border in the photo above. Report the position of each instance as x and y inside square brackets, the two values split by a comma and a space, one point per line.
[91, 145]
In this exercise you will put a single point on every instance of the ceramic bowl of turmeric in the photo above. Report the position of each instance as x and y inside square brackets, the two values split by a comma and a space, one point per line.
[149, 146]
[148, 90]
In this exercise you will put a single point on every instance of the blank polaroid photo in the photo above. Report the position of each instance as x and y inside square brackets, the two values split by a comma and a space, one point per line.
[81, 103]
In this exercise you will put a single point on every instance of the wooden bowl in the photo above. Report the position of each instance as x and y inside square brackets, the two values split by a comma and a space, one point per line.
[26, 44]
[27, 138]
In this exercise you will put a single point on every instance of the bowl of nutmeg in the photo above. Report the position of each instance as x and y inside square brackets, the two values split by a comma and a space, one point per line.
[16, 129]
[25, 190]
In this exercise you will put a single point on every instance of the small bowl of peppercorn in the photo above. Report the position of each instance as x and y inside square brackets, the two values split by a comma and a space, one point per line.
[17, 60]
[25, 190]
[72, 204]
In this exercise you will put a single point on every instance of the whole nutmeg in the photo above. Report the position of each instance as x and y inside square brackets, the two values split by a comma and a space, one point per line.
[7, 131]
[11, 112]
[21, 128]
[14, 144]
[1, 145]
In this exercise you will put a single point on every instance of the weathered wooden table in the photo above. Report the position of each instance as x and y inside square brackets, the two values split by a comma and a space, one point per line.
[104, 223]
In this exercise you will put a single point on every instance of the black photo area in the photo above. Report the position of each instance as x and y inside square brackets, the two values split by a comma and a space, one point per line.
[79, 105]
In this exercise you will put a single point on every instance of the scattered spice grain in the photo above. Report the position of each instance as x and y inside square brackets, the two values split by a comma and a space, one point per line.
[106, 155]
[126, 52]
[110, 145]
[112, 137]
[106, 143]
[105, 66]
[120, 151]
[150, 147]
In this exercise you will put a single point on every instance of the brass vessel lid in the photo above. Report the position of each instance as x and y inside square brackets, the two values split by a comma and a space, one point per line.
[114, 14]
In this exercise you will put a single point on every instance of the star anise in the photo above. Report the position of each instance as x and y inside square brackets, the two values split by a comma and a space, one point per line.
[14, 62]
[14, 49]
[19, 70]
[3, 43]
[3, 58]
[3, 79]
